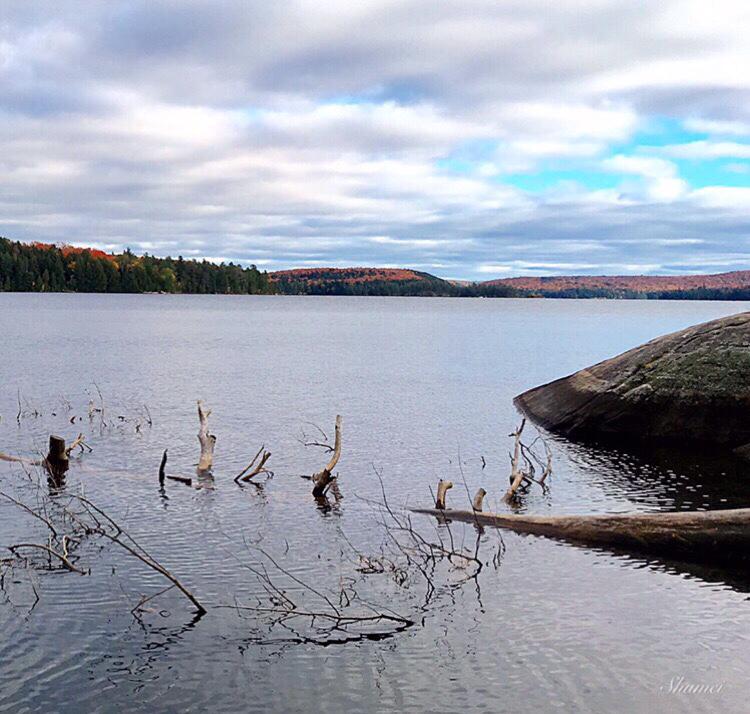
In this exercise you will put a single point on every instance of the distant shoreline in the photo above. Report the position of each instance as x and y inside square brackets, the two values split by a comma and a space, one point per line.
[46, 267]
[372, 295]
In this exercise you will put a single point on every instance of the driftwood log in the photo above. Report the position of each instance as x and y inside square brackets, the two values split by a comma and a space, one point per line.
[719, 535]
[323, 479]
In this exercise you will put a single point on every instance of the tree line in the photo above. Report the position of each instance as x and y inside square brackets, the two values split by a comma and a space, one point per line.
[425, 286]
[43, 268]
[580, 293]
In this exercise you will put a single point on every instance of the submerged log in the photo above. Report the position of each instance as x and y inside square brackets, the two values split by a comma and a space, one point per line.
[692, 385]
[689, 534]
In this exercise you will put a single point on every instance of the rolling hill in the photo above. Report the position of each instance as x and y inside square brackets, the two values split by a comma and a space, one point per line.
[359, 281]
[732, 285]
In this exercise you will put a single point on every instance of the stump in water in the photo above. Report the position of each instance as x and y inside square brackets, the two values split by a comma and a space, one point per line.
[57, 462]
[442, 489]
[323, 479]
[207, 441]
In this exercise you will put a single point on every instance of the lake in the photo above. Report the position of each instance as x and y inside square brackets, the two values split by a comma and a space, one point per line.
[425, 389]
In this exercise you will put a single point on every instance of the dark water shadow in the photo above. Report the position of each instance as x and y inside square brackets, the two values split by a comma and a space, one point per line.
[728, 572]
[683, 477]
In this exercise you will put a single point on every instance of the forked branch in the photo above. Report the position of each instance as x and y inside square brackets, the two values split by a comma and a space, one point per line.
[253, 468]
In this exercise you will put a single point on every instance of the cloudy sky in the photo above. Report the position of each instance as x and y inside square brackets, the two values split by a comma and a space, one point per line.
[471, 139]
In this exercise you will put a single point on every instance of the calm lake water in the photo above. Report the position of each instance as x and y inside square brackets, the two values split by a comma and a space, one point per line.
[425, 388]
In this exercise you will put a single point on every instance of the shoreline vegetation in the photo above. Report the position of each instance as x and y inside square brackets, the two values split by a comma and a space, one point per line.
[44, 267]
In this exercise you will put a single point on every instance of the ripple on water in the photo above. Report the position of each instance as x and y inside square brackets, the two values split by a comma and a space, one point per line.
[421, 384]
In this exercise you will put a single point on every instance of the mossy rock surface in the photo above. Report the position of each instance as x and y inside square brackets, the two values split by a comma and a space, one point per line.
[689, 385]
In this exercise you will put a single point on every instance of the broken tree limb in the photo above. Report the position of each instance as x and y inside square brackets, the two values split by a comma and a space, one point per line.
[56, 462]
[322, 480]
[181, 479]
[35, 514]
[162, 467]
[723, 534]
[517, 475]
[476, 504]
[78, 443]
[207, 441]
[163, 474]
[253, 469]
[19, 460]
[62, 557]
[548, 466]
[442, 489]
[117, 534]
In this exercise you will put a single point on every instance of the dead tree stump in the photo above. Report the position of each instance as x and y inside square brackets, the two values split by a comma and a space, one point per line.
[476, 504]
[322, 480]
[442, 489]
[207, 441]
[57, 462]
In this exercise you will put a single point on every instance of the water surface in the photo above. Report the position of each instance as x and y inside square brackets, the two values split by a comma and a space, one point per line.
[425, 387]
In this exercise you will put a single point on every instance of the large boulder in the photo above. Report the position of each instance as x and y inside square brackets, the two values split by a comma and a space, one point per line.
[692, 385]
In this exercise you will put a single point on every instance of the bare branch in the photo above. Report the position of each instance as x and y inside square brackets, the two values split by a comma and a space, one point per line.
[516, 474]
[253, 469]
[60, 556]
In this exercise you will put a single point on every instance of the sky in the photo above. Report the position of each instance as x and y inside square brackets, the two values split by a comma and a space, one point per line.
[472, 139]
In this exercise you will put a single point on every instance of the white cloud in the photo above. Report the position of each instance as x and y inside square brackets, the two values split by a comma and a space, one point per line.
[308, 133]
[706, 150]
[660, 177]
[734, 198]
[727, 128]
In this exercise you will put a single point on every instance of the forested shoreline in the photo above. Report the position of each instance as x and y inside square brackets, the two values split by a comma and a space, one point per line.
[42, 267]
[51, 268]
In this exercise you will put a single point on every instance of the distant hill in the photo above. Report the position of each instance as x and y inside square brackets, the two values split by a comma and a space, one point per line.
[397, 281]
[359, 281]
[721, 286]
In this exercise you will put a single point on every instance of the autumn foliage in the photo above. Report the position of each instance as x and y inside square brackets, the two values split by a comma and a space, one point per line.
[349, 276]
[68, 250]
[722, 285]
